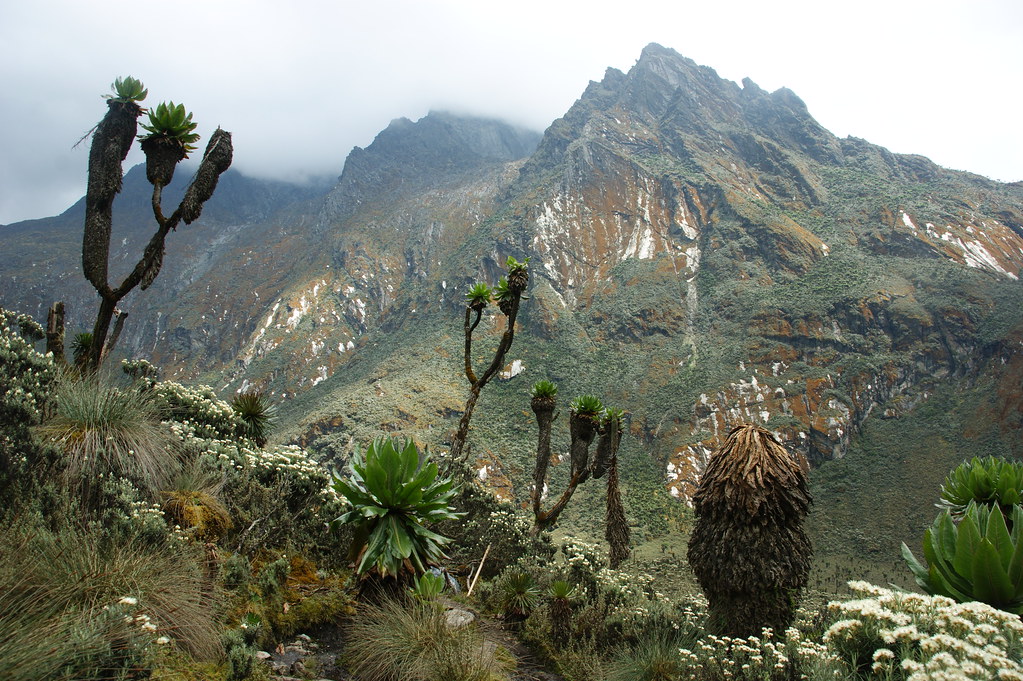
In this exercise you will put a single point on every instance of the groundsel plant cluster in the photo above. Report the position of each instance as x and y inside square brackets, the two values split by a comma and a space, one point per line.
[914, 637]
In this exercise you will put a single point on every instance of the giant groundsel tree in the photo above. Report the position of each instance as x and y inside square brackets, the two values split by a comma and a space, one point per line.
[507, 294]
[170, 133]
[749, 551]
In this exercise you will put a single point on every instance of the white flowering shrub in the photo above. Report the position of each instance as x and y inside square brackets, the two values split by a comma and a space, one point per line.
[127, 514]
[588, 568]
[767, 658]
[197, 407]
[489, 522]
[141, 370]
[898, 635]
[278, 497]
[25, 380]
[25, 376]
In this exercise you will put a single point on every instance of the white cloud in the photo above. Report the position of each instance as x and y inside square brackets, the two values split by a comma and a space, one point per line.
[300, 85]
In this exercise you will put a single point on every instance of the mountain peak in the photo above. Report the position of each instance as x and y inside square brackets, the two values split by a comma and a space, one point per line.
[407, 155]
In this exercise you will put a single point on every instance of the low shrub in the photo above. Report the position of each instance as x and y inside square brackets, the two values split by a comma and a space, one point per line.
[900, 635]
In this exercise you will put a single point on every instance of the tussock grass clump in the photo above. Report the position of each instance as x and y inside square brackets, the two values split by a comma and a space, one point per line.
[102, 429]
[407, 639]
[192, 501]
[656, 658]
[76, 604]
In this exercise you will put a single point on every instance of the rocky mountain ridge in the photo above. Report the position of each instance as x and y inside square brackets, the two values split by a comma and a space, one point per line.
[702, 253]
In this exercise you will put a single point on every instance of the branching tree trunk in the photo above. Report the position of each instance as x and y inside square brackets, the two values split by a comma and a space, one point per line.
[587, 420]
[508, 294]
[111, 143]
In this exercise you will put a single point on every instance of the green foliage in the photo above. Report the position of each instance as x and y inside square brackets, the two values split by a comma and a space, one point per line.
[543, 389]
[563, 590]
[81, 344]
[978, 560]
[127, 89]
[427, 586]
[200, 408]
[497, 528]
[140, 370]
[271, 581]
[171, 122]
[587, 405]
[394, 496]
[991, 481]
[611, 415]
[516, 267]
[241, 654]
[237, 571]
[279, 498]
[654, 659]
[410, 639]
[501, 291]
[98, 585]
[257, 415]
[478, 296]
[30, 330]
[518, 593]
[26, 379]
[84, 605]
[892, 634]
[192, 502]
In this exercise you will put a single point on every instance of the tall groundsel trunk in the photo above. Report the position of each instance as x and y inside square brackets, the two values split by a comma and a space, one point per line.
[616, 529]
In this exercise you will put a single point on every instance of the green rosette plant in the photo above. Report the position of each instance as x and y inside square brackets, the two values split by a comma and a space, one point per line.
[587, 405]
[170, 138]
[504, 295]
[478, 296]
[990, 481]
[256, 416]
[978, 560]
[394, 496]
[427, 586]
[127, 89]
[518, 274]
[518, 594]
[168, 120]
[543, 390]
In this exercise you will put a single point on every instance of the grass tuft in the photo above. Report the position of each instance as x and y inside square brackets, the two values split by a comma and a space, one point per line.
[410, 639]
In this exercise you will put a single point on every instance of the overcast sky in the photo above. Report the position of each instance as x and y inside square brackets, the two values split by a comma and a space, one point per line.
[300, 86]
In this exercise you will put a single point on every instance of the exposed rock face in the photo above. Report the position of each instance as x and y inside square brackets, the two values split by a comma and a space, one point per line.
[702, 253]
[755, 229]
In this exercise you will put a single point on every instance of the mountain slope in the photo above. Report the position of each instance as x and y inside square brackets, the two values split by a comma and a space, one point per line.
[705, 254]
[702, 253]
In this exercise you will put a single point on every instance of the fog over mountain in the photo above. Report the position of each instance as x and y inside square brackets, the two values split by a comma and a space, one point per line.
[301, 85]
